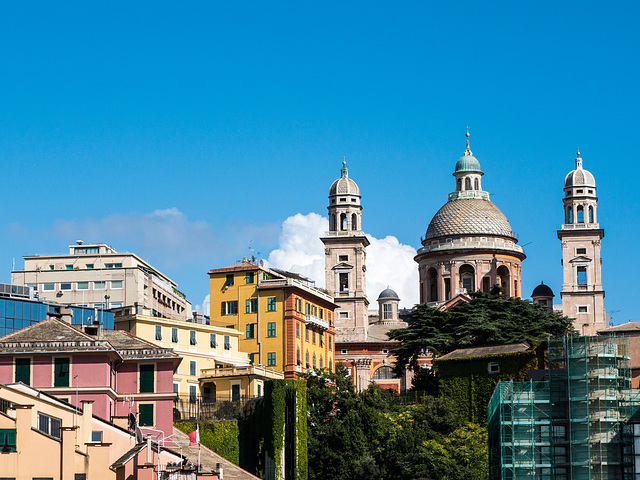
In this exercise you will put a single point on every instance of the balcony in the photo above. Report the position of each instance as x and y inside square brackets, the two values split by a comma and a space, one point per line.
[257, 370]
[317, 323]
[292, 282]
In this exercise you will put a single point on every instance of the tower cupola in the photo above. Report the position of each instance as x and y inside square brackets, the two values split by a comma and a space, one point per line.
[580, 198]
[344, 204]
[468, 176]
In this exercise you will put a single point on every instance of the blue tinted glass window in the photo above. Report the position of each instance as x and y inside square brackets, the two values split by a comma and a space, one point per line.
[2, 307]
[10, 308]
[3, 331]
[8, 323]
[42, 312]
[18, 310]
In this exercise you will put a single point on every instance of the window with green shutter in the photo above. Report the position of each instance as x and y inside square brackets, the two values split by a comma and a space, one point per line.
[174, 335]
[145, 414]
[213, 340]
[23, 370]
[192, 337]
[271, 304]
[193, 393]
[271, 359]
[227, 342]
[158, 332]
[192, 368]
[8, 439]
[249, 277]
[61, 372]
[250, 330]
[271, 329]
[251, 305]
[147, 379]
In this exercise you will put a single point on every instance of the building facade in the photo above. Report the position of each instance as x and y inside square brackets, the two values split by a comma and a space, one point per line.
[288, 323]
[582, 292]
[469, 244]
[97, 276]
[119, 373]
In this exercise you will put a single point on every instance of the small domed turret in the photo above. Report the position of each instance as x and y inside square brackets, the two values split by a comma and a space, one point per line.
[579, 177]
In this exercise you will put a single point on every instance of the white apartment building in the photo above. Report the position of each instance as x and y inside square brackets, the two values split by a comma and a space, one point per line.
[97, 276]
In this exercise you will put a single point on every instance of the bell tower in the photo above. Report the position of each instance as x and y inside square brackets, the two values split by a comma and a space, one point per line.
[582, 293]
[344, 254]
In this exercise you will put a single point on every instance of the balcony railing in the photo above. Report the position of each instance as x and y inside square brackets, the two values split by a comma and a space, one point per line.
[209, 407]
[258, 370]
[317, 322]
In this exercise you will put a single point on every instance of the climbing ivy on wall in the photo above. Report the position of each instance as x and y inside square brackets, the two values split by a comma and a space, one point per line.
[469, 385]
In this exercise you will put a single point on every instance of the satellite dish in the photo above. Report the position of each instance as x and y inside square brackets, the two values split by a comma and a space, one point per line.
[139, 437]
[262, 263]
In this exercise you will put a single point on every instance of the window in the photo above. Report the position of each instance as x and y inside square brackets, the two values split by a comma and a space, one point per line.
[61, 372]
[297, 330]
[213, 340]
[329, 317]
[306, 333]
[493, 367]
[344, 314]
[250, 330]
[48, 287]
[229, 281]
[176, 388]
[116, 284]
[271, 359]
[321, 362]
[387, 311]
[383, 373]
[174, 335]
[249, 278]
[583, 309]
[96, 436]
[50, 267]
[343, 351]
[158, 332]
[252, 357]
[99, 285]
[146, 379]
[313, 337]
[112, 265]
[307, 359]
[298, 357]
[68, 267]
[329, 342]
[320, 339]
[192, 368]
[89, 266]
[235, 393]
[23, 372]
[271, 304]
[314, 360]
[344, 282]
[581, 251]
[271, 329]
[49, 425]
[145, 414]
[251, 305]
[343, 258]
[8, 439]
[298, 305]
[82, 286]
[192, 337]
[193, 393]
[229, 308]
[227, 342]
[385, 350]
[65, 286]
[582, 275]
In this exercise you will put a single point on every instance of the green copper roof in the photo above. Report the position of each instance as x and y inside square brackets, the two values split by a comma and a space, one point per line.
[467, 162]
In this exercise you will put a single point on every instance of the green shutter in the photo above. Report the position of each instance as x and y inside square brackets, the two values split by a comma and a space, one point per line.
[61, 372]
[145, 417]
[158, 332]
[174, 335]
[8, 438]
[146, 379]
[247, 305]
[23, 370]
[212, 340]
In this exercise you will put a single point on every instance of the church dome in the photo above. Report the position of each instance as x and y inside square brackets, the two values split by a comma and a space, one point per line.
[579, 177]
[388, 294]
[469, 216]
[468, 163]
[542, 290]
[344, 185]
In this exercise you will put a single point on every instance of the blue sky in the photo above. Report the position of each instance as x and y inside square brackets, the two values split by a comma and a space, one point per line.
[189, 132]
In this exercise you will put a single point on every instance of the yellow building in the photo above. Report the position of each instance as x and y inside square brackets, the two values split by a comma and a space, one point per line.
[213, 368]
[288, 323]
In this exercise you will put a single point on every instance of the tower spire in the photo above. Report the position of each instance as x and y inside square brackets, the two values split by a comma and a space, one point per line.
[578, 159]
[467, 150]
[344, 171]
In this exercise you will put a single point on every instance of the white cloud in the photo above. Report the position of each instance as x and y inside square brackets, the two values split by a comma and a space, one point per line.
[389, 263]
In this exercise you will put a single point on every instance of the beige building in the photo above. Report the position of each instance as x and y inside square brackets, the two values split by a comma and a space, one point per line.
[213, 368]
[469, 244]
[43, 437]
[97, 276]
[582, 292]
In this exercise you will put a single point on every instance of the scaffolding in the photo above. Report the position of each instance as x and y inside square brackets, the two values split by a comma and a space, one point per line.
[575, 426]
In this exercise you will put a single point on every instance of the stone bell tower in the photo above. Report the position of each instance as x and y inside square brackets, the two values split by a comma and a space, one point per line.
[582, 293]
[345, 256]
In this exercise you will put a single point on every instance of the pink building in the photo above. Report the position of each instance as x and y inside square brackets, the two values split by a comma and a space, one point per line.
[122, 374]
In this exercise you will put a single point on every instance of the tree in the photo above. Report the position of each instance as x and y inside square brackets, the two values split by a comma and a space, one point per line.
[488, 319]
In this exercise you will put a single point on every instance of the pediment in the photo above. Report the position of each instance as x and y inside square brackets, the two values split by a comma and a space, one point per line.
[580, 259]
[342, 266]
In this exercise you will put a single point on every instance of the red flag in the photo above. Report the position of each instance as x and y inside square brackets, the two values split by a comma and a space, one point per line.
[194, 437]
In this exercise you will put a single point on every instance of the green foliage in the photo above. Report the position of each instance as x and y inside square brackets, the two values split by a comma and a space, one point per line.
[469, 385]
[488, 319]
[370, 435]
[221, 437]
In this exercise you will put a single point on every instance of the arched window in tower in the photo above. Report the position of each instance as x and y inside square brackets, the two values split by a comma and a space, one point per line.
[590, 214]
[568, 215]
[432, 282]
[504, 278]
[467, 273]
[343, 221]
[459, 184]
[467, 183]
[332, 222]
[354, 221]
[582, 275]
[476, 184]
[580, 214]
[298, 357]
